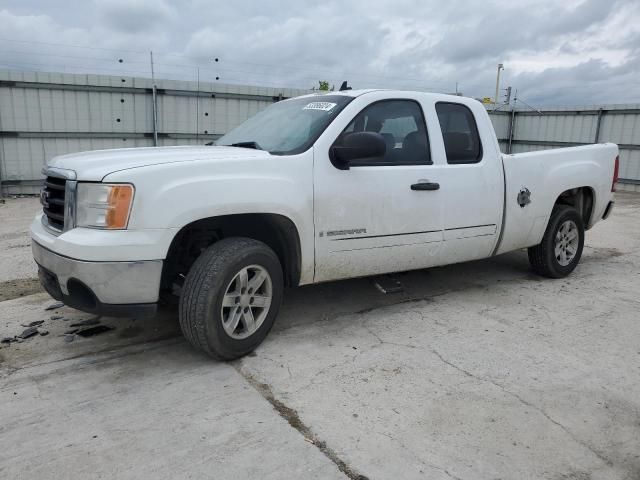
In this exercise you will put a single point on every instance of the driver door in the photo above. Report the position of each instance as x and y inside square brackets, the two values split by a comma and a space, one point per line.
[381, 214]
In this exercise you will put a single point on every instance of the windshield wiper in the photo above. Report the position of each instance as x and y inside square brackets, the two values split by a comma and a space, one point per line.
[246, 145]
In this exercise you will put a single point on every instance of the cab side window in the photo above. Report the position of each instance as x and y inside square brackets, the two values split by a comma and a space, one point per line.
[459, 132]
[401, 124]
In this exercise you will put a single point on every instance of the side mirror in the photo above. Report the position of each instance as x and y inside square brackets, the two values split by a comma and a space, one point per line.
[357, 146]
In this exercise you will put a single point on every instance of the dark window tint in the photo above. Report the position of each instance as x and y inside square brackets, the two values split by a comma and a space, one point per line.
[460, 133]
[401, 124]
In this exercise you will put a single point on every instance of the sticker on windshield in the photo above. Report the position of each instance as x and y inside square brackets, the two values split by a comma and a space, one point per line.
[324, 106]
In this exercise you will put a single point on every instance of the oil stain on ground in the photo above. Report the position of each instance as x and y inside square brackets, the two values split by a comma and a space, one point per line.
[130, 332]
[19, 288]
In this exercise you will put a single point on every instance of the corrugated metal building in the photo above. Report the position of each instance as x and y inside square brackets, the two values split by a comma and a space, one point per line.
[526, 130]
[47, 114]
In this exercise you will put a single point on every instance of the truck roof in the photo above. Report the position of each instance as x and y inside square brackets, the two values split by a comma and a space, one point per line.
[357, 93]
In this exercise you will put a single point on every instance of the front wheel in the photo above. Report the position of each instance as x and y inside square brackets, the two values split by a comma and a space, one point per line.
[231, 297]
[561, 248]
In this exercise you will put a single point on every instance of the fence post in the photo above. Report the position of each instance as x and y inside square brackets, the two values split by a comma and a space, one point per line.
[1, 160]
[598, 123]
[512, 125]
[1, 167]
[154, 98]
[155, 115]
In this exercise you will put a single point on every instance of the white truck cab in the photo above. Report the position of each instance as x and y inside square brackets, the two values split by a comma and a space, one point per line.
[315, 188]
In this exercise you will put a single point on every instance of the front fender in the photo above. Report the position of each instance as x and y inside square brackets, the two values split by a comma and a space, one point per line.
[172, 195]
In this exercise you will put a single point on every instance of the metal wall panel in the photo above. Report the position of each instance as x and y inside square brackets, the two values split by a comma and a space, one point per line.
[621, 128]
[521, 148]
[630, 164]
[558, 127]
[501, 123]
[25, 157]
[44, 110]
[46, 114]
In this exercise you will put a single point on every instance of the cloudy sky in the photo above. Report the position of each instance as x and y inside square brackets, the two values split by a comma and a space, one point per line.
[570, 52]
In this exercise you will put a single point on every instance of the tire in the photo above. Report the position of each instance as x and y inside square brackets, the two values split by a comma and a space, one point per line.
[565, 222]
[215, 281]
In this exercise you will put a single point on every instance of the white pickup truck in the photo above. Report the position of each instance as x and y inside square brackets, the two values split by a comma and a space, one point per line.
[311, 189]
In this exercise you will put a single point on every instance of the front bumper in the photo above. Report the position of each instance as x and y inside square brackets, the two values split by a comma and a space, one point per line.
[111, 288]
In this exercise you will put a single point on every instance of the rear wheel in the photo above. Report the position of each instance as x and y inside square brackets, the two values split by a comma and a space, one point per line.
[231, 297]
[561, 248]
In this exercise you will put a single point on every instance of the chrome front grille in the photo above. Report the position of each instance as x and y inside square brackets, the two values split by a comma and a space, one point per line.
[52, 199]
[58, 198]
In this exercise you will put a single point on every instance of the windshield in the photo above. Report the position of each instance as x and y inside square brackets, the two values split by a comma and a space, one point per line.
[288, 127]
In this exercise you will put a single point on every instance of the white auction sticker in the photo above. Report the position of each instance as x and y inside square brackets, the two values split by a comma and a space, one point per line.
[324, 106]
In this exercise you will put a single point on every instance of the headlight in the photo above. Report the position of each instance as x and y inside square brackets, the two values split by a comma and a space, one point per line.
[102, 205]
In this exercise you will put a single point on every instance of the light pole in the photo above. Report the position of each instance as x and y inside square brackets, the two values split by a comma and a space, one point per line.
[495, 99]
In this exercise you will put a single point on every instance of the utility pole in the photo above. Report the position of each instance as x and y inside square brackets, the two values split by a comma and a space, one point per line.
[495, 99]
[155, 103]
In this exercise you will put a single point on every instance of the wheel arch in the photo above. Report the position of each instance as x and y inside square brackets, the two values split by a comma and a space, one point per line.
[277, 231]
[583, 199]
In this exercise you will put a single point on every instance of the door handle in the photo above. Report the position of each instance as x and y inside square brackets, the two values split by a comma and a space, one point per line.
[425, 186]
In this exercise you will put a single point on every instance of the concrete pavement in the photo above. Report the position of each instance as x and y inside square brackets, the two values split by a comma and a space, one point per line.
[475, 371]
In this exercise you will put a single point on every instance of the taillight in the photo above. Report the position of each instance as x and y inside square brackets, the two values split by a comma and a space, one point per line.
[616, 169]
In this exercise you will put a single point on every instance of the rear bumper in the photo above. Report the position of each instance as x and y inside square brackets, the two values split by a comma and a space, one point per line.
[104, 288]
[607, 211]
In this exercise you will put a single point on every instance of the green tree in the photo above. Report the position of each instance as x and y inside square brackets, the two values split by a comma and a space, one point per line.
[324, 85]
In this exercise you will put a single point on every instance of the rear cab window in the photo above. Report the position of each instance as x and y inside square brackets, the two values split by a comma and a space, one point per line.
[459, 133]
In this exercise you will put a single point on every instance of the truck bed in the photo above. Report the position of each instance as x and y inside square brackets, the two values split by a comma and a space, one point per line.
[543, 176]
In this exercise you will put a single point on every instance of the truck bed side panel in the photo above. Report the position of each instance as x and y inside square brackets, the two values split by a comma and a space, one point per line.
[542, 176]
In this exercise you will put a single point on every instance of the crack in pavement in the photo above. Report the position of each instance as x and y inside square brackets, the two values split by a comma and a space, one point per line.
[294, 420]
[467, 373]
[528, 404]
[423, 462]
[292, 417]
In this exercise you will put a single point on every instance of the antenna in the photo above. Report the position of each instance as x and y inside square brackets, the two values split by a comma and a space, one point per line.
[344, 86]
[152, 73]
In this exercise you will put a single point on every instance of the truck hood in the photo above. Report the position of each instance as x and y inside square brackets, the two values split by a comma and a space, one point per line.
[95, 165]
